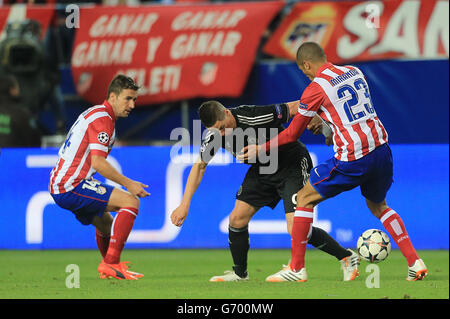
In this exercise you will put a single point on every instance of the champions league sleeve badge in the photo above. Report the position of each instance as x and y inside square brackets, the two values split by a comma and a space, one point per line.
[103, 137]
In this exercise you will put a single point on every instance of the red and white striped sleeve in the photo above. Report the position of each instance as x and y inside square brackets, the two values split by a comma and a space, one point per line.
[100, 132]
[310, 102]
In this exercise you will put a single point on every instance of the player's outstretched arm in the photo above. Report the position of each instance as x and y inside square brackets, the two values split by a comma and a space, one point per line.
[289, 135]
[293, 108]
[194, 179]
[104, 168]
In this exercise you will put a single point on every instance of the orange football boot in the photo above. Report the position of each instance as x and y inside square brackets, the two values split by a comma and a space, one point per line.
[118, 271]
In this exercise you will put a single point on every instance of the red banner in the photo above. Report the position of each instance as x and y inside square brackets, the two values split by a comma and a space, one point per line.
[363, 31]
[20, 12]
[173, 52]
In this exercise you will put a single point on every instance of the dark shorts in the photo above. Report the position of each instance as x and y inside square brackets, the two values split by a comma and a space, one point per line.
[373, 173]
[87, 200]
[261, 190]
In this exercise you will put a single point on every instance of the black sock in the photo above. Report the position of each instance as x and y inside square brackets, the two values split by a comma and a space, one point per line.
[320, 239]
[239, 241]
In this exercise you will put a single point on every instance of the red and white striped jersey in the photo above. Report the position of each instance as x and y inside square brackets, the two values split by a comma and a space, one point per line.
[341, 97]
[92, 133]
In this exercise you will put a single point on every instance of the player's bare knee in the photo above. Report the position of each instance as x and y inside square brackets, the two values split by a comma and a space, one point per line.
[131, 201]
[238, 221]
[103, 224]
[307, 202]
[377, 209]
[104, 229]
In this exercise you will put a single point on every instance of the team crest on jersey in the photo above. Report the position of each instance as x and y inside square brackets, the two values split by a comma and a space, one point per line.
[103, 137]
[101, 190]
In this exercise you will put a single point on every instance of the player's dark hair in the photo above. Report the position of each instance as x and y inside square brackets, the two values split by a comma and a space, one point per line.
[310, 51]
[210, 112]
[119, 83]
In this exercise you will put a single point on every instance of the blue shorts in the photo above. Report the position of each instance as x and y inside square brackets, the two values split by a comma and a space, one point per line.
[87, 200]
[373, 173]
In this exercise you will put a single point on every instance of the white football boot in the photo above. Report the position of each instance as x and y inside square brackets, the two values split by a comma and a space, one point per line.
[229, 275]
[417, 271]
[286, 274]
[349, 266]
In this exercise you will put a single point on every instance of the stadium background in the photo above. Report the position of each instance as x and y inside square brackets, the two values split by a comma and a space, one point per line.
[410, 94]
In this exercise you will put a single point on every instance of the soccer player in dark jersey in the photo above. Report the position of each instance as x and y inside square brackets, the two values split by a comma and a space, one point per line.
[229, 129]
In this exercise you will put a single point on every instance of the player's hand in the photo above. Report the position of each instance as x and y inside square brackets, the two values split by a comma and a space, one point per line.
[137, 189]
[249, 153]
[315, 125]
[179, 215]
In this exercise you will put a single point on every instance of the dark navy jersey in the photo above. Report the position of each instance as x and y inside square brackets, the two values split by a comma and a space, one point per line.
[254, 125]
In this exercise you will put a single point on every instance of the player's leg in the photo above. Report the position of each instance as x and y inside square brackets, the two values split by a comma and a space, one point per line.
[103, 226]
[239, 241]
[307, 199]
[294, 180]
[250, 197]
[127, 206]
[88, 201]
[321, 240]
[396, 228]
[238, 236]
[374, 189]
[255, 192]
[301, 227]
[317, 237]
[325, 181]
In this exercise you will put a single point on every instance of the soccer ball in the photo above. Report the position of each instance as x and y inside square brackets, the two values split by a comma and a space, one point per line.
[373, 245]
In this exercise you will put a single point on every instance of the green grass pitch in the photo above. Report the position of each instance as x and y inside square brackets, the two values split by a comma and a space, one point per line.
[184, 274]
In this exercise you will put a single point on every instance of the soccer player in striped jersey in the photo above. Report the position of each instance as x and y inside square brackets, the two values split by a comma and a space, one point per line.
[248, 124]
[84, 153]
[340, 96]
